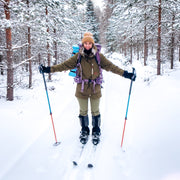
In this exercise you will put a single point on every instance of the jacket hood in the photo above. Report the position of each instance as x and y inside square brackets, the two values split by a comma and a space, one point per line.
[92, 54]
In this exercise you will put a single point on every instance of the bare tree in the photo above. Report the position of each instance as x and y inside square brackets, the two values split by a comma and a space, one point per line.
[55, 47]
[172, 41]
[29, 51]
[9, 95]
[1, 64]
[145, 36]
[48, 46]
[1, 55]
[179, 47]
[159, 40]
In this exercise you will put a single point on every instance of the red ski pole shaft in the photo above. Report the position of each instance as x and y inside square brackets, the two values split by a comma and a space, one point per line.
[123, 133]
[53, 128]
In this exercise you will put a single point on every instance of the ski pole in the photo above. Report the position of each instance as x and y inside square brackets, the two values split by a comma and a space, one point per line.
[56, 142]
[134, 75]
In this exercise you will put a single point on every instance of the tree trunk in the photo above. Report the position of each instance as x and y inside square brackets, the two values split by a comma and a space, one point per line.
[172, 42]
[55, 48]
[145, 47]
[39, 58]
[131, 51]
[48, 51]
[131, 47]
[159, 40]
[29, 51]
[145, 38]
[1, 57]
[10, 90]
[179, 47]
[179, 53]
[137, 47]
[29, 57]
[1, 65]
[125, 47]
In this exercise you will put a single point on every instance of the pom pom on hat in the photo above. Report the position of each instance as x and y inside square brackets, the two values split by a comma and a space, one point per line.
[88, 37]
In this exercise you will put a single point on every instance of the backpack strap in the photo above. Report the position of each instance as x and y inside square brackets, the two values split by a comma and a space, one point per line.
[98, 59]
[99, 80]
[78, 79]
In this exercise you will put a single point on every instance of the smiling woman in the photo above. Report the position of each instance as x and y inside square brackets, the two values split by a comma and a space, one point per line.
[88, 78]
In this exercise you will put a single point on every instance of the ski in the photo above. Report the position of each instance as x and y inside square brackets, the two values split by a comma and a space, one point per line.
[87, 152]
[76, 162]
[92, 156]
[83, 140]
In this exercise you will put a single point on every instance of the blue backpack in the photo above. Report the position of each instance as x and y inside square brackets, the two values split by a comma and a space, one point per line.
[75, 50]
[75, 73]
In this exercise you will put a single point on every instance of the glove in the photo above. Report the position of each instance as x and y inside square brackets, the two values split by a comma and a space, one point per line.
[43, 69]
[129, 75]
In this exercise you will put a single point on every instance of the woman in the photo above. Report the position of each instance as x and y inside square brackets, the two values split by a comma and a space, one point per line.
[90, 71]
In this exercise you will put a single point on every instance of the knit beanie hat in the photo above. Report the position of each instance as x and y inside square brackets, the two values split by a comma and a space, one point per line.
[88, 37]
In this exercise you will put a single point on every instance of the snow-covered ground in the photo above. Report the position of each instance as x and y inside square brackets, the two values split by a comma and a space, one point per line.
[151, 144]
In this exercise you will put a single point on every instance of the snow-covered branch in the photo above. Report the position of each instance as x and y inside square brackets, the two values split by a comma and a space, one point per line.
[18, 47]
[4, 3]
[21, 63]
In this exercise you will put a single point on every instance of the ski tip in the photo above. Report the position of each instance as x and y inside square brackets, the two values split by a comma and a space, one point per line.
[56, 143]
[90, 166]
[75, 163]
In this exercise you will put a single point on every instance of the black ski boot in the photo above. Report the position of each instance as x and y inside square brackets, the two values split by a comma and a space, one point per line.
[96, 132]
[84, 121]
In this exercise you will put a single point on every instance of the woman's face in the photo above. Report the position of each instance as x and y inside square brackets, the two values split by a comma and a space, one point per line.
[87, 45]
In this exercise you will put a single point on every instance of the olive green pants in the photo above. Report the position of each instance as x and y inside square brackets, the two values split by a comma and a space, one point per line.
[83, 105]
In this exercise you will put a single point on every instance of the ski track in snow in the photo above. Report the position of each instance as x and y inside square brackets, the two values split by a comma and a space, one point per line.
[150, 142]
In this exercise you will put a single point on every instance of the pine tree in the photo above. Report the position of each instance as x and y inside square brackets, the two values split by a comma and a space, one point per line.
[92, 24]
[135, 26]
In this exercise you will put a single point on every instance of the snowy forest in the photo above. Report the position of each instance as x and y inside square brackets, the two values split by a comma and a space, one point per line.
[43, 32]
[134, 34]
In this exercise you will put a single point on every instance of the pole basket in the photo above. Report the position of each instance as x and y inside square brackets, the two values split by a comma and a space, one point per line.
[56, 143]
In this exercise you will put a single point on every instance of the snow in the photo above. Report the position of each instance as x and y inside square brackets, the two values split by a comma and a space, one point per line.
[99, 3]
[150, 149]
